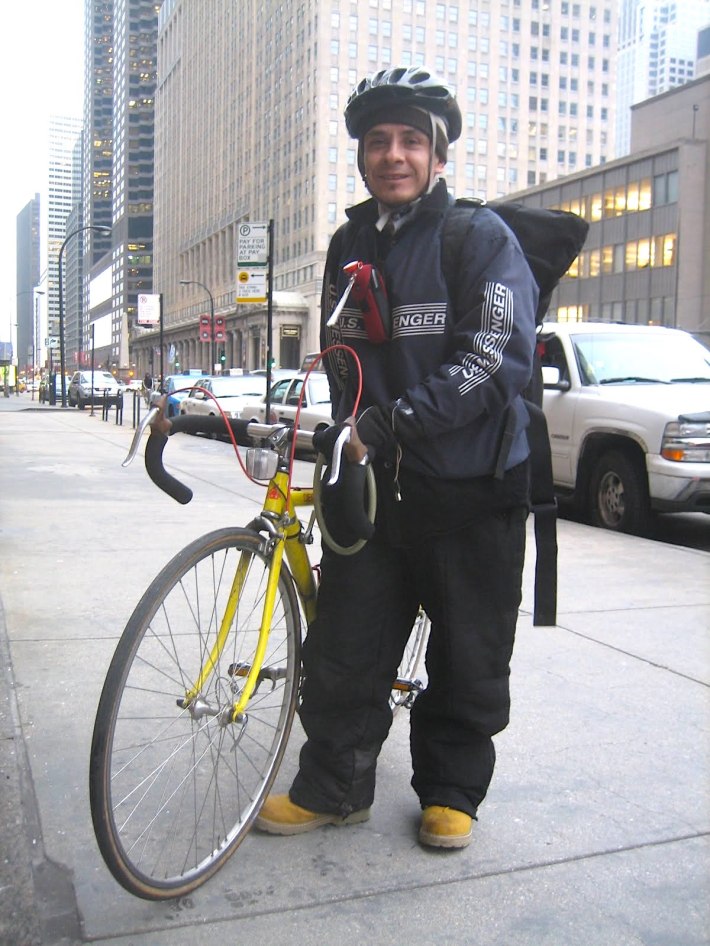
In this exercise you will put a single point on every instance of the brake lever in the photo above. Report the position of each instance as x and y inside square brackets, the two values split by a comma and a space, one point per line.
[344, 298]
[343, 438]
[147, 420]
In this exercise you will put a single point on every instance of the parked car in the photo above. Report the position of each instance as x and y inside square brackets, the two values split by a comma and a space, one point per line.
[312, 358]
[44, 387]
[231, 393]
[276, 373]
[105, 388]
[316, 409]
[177, 387]
[627, 408]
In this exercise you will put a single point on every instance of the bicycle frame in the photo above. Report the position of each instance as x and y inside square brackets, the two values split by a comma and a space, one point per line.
[285, 536]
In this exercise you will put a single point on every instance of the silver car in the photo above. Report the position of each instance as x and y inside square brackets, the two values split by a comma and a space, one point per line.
[316, 409]
[105, 388]
[228, 392]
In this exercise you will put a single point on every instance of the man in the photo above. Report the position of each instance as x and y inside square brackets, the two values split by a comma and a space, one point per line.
[437, 396]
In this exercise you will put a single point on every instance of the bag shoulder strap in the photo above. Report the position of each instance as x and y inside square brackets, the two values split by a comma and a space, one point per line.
[542, 492]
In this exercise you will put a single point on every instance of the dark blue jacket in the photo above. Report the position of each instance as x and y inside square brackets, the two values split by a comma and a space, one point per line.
[460, 367]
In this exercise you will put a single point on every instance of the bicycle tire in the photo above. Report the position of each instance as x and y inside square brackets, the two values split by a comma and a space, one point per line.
[174, 793]
[407, 687]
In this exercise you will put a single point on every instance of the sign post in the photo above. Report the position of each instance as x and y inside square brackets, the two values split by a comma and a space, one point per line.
[255, 280]
[150, 314]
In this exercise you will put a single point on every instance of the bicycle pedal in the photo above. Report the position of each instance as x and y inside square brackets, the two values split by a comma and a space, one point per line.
[407, 686]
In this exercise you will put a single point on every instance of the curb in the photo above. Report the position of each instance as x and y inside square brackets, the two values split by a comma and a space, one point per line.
[47, 913]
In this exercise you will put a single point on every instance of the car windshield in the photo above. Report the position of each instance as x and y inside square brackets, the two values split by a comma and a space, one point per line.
[653, 358]
[319, 390]
[240, 385]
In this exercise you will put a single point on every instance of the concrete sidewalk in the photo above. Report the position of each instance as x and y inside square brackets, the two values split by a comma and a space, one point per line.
[595, 830]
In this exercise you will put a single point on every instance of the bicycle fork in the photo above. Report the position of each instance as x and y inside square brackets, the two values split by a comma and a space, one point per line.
[253, 674]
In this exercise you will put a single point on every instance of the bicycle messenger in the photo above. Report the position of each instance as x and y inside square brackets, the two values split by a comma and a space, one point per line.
[440, 377]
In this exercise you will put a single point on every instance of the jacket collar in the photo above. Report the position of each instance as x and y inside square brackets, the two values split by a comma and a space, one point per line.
[437, 202]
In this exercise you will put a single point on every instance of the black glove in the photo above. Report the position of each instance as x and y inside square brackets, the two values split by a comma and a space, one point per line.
[405, 422]
[374, 428]
[324, 440]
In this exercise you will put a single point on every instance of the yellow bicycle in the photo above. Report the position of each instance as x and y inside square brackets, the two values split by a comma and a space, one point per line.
[200, 695]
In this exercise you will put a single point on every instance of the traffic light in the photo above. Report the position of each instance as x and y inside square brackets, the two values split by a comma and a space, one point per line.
[205, 328]
[222, 356]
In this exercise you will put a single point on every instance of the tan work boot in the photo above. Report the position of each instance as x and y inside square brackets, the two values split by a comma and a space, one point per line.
[445, 827]
[279, 815]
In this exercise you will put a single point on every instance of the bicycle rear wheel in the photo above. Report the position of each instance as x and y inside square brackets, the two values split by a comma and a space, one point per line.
[406, 685]
[174, 790]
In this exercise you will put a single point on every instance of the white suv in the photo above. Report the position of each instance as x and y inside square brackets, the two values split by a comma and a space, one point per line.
[628, 412]
[104, 386]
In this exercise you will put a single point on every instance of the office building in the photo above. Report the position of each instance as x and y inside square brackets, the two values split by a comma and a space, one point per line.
[120, 41]
[97, 174]
[702, 65]
[646, 256]
[28, 276]
[249, 127]
[135, 38]
[63, 190]
[658, 48]
[73, 285]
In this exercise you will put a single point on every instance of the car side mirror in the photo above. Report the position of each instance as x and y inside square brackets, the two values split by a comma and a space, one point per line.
[552, 380]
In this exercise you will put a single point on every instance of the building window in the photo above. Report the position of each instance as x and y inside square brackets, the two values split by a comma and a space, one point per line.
[665, 188]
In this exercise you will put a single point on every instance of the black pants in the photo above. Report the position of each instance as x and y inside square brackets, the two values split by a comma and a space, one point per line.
[469, 583]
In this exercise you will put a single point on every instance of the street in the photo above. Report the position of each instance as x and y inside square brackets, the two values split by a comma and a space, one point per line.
[596, 827]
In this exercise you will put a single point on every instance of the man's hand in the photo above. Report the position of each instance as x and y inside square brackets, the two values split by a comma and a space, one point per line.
[324, 440]
[355, 449]
[374, 429]
[160, 423]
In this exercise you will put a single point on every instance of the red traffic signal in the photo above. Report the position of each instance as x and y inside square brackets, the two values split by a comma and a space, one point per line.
[219, 328]
[205, 329]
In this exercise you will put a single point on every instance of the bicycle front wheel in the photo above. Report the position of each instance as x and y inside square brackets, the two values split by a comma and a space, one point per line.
[175, 783]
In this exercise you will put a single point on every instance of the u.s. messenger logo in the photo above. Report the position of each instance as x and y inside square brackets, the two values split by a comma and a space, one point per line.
[427, 319]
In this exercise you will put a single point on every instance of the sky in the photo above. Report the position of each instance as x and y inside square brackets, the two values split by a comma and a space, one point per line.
[41, 74]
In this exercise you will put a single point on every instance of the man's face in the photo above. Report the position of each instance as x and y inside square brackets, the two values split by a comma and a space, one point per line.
[397, 159]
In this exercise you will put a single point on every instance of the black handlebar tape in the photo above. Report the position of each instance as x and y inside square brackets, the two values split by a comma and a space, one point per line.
[353, 494]
[157, 472]
[214, 424]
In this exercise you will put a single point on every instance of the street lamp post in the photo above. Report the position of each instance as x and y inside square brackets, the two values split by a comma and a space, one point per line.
[213, 350]
[99, 229]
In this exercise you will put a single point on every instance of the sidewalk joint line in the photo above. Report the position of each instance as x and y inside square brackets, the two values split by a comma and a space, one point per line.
[626, 653]
[405, 888]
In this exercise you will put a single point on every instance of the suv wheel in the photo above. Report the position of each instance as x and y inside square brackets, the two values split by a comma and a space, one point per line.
[618, 494]
[80, 402]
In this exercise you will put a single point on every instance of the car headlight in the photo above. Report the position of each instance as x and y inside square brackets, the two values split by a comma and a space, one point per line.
[686, 441]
